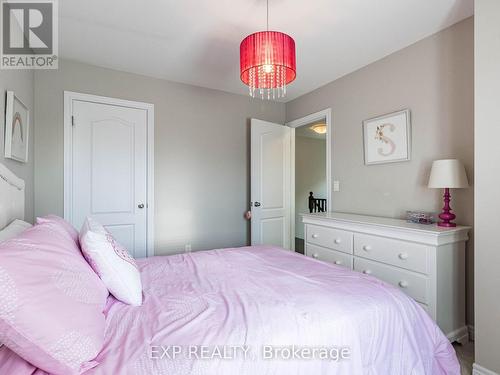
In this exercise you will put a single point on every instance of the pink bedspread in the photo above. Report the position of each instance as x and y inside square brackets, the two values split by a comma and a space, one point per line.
[255, 302]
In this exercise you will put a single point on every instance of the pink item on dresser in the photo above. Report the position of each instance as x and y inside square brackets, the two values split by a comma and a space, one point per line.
[112, 262]
[51, 302]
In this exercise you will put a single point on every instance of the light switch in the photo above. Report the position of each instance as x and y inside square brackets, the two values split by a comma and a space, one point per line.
[336, 185]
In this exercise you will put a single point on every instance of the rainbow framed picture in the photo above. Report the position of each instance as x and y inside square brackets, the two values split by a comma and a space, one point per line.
[16, 128]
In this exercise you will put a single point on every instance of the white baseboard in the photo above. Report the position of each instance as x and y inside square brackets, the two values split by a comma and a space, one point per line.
[460, 335]
[480, 370]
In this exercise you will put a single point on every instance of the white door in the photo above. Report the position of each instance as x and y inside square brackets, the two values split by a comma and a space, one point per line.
[109, 170]
[271, 183]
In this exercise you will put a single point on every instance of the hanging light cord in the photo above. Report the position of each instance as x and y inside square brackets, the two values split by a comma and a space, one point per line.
[267, 5]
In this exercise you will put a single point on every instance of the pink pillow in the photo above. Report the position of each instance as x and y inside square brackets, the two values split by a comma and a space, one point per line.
[11, 363]
[112, 262]
[60, 221]
[51, 302]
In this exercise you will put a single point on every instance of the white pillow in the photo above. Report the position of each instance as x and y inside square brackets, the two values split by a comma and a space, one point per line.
[13, 229]
[112, 262]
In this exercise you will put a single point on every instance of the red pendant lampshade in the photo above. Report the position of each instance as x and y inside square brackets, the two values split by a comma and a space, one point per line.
[267, 63]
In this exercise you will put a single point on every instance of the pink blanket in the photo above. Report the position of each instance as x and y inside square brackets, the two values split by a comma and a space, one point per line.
[263, 310]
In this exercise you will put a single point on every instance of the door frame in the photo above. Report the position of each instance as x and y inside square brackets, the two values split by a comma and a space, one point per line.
[316, 116]
[69, 96]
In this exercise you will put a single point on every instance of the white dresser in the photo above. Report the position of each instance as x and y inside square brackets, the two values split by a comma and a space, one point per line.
[426, 262]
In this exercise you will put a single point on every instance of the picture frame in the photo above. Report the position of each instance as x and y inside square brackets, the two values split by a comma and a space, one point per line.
[17, 127]
[387, 138]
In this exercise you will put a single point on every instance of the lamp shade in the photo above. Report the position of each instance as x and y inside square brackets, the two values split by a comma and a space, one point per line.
[267, 62]
[448, 173]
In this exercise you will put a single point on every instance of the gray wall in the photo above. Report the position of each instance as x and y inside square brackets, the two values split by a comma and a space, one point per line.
[434, 79]
[21, 82]
[201, 151]
[487, 160]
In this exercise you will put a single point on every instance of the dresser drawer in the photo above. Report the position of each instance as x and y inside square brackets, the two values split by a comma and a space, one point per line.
[327, 255]
[413, 284]
[399, 253]
[331, 238]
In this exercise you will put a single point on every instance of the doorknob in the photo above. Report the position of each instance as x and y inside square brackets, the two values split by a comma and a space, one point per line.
[403, 284]
[141, 206]
[256, 204]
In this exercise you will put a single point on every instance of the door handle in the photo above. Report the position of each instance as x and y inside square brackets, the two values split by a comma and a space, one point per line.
[256, 204]
[141, 206]
[403, 284]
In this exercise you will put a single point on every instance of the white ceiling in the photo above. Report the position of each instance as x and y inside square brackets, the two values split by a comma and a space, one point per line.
[197, 41]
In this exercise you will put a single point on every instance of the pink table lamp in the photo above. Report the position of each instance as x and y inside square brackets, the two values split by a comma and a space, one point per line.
[447, 174]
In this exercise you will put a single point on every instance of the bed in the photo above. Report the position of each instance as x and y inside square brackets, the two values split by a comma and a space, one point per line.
[262, 310]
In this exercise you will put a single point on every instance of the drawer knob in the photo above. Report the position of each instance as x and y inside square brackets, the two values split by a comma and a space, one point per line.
[315, 235]
[403, 256]
[315, 255]
[338, 262]
[337, 240]
[367, 248]
[403, 284]
[367, 272]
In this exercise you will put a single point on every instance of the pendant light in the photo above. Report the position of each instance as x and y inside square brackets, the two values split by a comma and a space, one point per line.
[267, 62]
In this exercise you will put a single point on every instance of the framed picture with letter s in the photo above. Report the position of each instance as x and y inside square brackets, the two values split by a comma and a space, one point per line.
[16, 128]
[387, 138]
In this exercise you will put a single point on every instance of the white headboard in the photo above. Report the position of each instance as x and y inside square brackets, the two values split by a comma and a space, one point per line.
[11, 197]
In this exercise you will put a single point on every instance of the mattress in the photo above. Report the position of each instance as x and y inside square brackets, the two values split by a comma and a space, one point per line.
[263, 310]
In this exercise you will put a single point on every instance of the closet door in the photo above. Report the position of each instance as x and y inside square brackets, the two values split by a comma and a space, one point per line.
[109, 170]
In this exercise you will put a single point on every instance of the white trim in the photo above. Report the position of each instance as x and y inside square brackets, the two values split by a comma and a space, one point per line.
[326, 114]
[69, 97]
[292, 189]
[480, 370]
[150, 205]
[460, 335]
